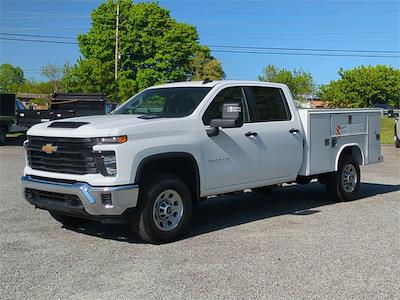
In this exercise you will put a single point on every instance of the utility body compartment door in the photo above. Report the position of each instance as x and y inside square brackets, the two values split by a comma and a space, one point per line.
[322, 155]
[374, 138]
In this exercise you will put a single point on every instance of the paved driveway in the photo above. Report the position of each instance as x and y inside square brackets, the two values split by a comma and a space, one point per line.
[291, 244]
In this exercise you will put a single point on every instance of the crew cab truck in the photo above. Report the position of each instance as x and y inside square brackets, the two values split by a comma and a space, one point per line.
[173, 145]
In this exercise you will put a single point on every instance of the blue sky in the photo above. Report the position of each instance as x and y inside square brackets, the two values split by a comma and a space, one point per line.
[324, 24]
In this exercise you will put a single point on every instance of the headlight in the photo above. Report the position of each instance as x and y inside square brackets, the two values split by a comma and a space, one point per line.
[110, 164]
[113, 140]
[106, 163]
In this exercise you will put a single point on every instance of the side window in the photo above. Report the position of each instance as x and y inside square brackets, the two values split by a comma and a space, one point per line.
[228, 95]
[19, 105]
[270, 105]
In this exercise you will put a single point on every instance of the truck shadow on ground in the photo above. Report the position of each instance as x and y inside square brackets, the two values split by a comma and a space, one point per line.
[227, 211]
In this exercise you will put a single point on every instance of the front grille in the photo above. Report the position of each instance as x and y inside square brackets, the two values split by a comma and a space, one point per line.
[38, 196]
[72, 156]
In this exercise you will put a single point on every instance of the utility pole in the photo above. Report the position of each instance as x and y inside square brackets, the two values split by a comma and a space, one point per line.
[116, 56]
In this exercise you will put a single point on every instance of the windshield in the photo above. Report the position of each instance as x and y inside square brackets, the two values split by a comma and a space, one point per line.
[164, 102]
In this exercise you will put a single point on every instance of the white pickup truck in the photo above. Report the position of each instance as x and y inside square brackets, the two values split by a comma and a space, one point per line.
[170, 146]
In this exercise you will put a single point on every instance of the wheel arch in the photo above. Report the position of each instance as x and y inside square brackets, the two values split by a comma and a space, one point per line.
[180, 164]
[353, 149]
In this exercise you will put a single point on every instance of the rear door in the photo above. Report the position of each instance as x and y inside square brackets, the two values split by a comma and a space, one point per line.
[279, 133]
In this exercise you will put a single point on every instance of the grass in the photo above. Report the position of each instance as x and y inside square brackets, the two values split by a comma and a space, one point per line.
[387, 130]
[14, 135]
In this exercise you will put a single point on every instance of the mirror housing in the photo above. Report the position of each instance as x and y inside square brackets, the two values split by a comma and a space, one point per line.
[231, 118]
[223, 123]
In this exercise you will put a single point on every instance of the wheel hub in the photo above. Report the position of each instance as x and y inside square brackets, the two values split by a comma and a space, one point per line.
[349, 178]
[167, 210]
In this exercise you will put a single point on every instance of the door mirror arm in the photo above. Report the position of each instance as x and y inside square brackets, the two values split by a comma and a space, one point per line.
[212, 131]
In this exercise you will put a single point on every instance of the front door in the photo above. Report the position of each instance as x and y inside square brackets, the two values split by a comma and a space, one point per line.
[232, 157]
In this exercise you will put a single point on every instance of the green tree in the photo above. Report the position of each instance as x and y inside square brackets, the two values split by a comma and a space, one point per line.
[203, 66]
[153, 47]
[299, 81]
[363, 86]
[54, 74]
[10, 78]
[35, 87]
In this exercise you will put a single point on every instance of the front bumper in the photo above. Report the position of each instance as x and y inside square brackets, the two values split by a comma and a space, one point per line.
[79, 198]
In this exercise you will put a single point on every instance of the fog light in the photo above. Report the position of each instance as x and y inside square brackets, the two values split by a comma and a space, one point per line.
[28, 194]
[106, 199]
[110, 164]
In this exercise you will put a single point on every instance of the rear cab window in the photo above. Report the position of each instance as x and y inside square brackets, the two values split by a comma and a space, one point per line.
[270, 104]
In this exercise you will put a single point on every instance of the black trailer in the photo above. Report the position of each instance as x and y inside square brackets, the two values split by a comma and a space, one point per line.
[7, 114]
[65, 105]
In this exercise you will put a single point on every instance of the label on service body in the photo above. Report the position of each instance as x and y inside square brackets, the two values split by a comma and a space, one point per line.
[349, 129]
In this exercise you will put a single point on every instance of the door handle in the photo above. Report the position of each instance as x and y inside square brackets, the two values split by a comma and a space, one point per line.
[294, 130]
[250, 134]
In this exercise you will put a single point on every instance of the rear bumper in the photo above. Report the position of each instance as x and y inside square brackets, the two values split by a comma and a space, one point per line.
[79, 198]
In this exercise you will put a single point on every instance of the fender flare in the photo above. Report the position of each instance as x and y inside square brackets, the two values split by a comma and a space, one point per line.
[342, 148]
[167, 155]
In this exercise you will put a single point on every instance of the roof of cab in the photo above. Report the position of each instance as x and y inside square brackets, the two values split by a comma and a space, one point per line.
[214, 83]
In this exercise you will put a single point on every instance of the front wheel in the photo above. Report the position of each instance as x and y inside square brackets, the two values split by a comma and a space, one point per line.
[344, 185]
[164, 210]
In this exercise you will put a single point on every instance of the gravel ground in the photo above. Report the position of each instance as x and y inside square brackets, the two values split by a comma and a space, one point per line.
[292, 244]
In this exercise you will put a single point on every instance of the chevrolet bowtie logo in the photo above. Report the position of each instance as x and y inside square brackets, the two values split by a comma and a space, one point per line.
[49, 148]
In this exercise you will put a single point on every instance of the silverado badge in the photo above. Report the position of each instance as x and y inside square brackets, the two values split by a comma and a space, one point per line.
[49, 148]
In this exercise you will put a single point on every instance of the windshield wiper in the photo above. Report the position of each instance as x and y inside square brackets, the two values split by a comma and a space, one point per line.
[147, 117]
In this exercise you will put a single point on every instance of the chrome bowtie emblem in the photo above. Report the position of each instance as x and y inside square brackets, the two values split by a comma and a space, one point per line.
[49, 148]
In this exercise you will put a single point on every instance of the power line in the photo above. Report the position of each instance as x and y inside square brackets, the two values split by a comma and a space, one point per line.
[229, 46]
[38, 36]
[38, 41]
[245, 51]
[305, 54]
[304, 49]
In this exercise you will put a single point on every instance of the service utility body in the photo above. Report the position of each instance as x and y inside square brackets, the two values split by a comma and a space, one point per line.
[171, 146]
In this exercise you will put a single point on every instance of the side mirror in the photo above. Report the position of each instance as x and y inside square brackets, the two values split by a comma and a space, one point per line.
[231, 117]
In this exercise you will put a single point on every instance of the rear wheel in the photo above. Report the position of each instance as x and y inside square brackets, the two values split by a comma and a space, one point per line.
[164, 210]
[396, 138]
[67, 220]
[344, 184]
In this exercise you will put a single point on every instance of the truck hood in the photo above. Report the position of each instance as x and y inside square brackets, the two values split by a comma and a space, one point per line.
[96, 126]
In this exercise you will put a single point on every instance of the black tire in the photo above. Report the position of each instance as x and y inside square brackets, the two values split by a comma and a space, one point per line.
[149, 223]
[396, 138]
[2, 136]
[67, 220]
[336, 185]
[397, 142]
[303, 180]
